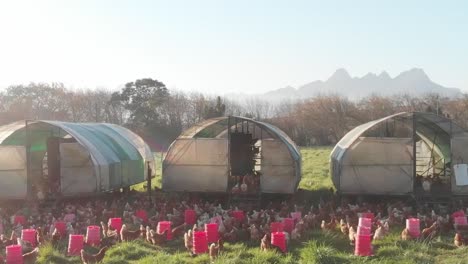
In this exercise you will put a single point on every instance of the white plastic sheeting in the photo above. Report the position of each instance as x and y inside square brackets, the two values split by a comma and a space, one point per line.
[197, 165]
[13, 183]
[76, 170]
[387, 168]
[277, 168]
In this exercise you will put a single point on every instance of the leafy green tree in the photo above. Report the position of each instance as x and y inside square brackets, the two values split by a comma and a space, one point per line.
[144, 99]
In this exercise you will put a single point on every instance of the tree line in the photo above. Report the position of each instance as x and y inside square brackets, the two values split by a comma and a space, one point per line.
[158, 114]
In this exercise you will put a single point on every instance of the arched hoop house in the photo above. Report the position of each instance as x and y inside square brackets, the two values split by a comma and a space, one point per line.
[406, 153]
[219, 154]
[45, 158]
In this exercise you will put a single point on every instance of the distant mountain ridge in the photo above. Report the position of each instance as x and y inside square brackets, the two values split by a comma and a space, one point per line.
[412, 82]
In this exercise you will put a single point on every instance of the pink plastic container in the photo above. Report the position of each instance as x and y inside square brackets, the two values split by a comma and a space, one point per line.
[363, 245]
[278, 239]
[143, 215]
[61, 227]
[19, 219]
[276, 227]
[366, 222]
[297, 216]
[362, 230]
[413, 226]
[200, 242]
[460, 220]
[368, 215]
[163, 226]
[190, 217]
[239, 215]
[288, 224]
[30, 236]
[75, 245]
[458, 214]
[93, 235]
[116, 223]
[212, 232]
[14, 254]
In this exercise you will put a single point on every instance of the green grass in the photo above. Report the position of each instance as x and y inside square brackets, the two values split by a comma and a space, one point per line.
[315, 247]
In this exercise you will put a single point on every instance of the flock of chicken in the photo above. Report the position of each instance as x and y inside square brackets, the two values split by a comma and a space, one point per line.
[329, 216]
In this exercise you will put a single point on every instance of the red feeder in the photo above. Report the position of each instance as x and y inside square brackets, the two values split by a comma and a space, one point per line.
[93, 235]
[61, 228]
[276, 227]
[116, 223]
[288, 224]
[14, 254]
[19, 219]
[75, 245]
[366, 222]
[278, 239]
[200, 242]
[363, 245]
[190, 217]
[143, 215]
[29, 235]
[212, 232]
[413, 226]
[239, 215]
[163, 226]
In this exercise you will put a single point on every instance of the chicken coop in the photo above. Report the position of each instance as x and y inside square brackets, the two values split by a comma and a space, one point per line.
[41, 159]
[234, 155]
[419, 154]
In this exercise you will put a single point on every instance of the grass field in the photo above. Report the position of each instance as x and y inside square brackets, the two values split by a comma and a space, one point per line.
[315, 247]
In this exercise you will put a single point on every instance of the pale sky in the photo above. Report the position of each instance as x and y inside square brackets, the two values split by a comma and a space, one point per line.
[229, 46]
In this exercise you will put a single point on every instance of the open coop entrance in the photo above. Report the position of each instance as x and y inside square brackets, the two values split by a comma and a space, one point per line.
[245, 155]
[432, 163]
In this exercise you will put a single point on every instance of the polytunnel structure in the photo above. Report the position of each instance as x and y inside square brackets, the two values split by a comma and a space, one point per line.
[234, 155]
[42, 159]
[403, 154]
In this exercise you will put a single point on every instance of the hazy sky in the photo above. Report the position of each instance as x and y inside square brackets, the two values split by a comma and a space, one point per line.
[229, 46]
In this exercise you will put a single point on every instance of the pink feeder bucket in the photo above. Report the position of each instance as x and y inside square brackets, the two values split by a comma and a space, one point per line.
[460, 220]
[212, 232]
[75, 245]
[458, 214]
[29, 235]
[363, 245]
[276, 227]
[143, 215]
[362, 230]
[116, 223]
[413, 226]
[14, 254]
[368, 215]
[278, 239]
[93, 235]
[288, 224]
[163, 226]
[190, 217]
[19, 219]
[239, 215]
[200, 242]
[61, 227]
[366, 222]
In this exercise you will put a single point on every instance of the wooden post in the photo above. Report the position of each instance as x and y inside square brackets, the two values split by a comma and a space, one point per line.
[148, 181]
